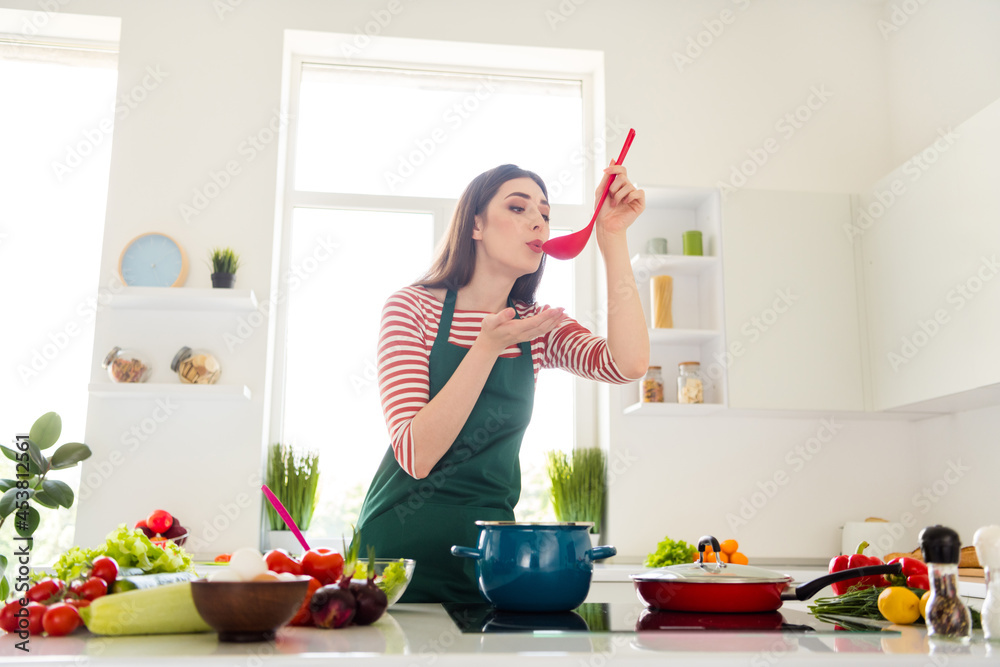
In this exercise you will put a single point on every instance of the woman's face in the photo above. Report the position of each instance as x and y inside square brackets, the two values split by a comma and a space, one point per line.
[513, 228]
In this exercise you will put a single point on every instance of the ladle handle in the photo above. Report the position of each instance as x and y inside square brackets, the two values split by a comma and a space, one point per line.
[283, 513]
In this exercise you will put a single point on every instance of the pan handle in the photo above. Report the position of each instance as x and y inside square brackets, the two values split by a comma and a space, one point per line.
[811, 588]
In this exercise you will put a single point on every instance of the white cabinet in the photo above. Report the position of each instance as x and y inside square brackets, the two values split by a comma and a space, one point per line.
[930, 231]
[792, 315]
[698, 333]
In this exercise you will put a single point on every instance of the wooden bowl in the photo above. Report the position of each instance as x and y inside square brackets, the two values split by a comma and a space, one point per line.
[248, 611]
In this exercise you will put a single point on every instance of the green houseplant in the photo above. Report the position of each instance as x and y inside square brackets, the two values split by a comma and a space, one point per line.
[225, 262]
[293, 476]
[579, 483]
[31, 484]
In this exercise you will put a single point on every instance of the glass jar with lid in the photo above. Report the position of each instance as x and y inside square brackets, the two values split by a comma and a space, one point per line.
[690, 384]
[652, 385]
[196, 366]
[126, 365]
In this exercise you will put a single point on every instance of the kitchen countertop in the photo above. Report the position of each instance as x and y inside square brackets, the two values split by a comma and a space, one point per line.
[423, 635]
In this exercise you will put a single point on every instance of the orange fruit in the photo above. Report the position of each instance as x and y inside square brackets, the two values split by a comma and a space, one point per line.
[730, 547]
[724, 556]
[739, 559]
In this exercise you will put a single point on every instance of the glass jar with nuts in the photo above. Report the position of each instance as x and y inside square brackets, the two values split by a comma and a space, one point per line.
[126, 365]
[196, 366]
[690, 385]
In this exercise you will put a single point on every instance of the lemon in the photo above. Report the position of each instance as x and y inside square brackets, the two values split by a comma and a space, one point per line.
[923, 604]
[899, 604]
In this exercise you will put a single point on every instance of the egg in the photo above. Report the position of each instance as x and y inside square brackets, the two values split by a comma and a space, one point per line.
[247, 563]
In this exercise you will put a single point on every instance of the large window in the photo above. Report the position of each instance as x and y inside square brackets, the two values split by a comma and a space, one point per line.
[55, 151]
[379, 155]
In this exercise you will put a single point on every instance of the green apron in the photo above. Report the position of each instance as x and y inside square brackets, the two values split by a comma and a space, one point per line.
[478, 478]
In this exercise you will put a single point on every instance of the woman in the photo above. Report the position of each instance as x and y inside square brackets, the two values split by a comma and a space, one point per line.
[459, 353]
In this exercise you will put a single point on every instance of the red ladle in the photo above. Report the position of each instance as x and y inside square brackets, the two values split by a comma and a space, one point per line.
[283, 513]
[571, 245]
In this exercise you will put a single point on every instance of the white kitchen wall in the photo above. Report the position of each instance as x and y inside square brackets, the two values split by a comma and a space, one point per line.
[704, 82]
[942, 65]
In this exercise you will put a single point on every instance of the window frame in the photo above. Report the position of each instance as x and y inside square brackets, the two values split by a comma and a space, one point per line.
[307, 48]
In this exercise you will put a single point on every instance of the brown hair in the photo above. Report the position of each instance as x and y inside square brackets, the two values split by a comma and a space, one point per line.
[456, 258]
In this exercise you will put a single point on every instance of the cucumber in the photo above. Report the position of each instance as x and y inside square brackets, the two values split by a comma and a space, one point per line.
[141, 581]
[130, 571]
[165, 609]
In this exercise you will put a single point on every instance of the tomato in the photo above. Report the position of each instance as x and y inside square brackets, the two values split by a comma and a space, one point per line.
[45, 589]
[323, 564]
[223, 558]
[60, 619]
[35, 613]
[279, 561]
[92, 588]
[141, 525]
[8, 620]
[159, 521]
[105, 568]
[303, 616]
[79, 604]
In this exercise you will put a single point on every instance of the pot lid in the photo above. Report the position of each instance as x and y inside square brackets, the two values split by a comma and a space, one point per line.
[713, 573]
[538, 524]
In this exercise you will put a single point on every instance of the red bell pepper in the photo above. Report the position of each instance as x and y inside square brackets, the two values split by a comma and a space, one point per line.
[858, 559]
[914, 574]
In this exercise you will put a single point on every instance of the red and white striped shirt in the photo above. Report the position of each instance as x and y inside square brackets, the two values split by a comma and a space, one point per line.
[410, 321]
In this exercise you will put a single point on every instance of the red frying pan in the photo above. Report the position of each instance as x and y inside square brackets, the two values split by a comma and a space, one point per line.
[725, 587]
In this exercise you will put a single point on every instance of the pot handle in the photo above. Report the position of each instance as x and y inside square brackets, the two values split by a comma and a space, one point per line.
[596, 553]
[465, 552]
[811, 588]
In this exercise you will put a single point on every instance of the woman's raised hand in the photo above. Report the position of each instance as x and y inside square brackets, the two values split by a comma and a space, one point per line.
[624, 203]
[501, 330]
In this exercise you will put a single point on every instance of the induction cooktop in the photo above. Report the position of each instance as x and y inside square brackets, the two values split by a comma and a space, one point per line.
[481, 618]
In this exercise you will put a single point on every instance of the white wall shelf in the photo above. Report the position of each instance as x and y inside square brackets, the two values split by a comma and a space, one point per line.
[146, 390]
[673, 409]
[682, 336]
[185, 298]
[697, 304]
[681, 265]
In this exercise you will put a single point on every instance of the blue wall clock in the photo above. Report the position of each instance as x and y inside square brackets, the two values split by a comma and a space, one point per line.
[153, 260]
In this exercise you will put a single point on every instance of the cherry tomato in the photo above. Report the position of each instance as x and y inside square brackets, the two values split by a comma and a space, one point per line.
[79, 604]
[323, 564]
[35, 613]
[93, 588]
[60, 619]
[159, 521]
[45, 589]
[303, 616]
[279, 561]
[8, 620]
[105, 568]
[223, 558]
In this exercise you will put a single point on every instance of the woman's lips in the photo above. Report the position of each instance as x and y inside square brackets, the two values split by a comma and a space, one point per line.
[535, 245]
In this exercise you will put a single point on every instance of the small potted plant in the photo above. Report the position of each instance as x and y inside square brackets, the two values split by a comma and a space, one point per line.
[293, 476]
[225, 262]
[578, 485]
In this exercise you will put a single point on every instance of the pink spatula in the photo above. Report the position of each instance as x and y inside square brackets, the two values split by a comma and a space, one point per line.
[283, 513]
[571, 245]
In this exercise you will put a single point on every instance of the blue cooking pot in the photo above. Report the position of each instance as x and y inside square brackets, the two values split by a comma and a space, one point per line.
[534, 566]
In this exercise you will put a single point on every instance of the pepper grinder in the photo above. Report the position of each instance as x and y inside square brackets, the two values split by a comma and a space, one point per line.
[947, 616]
[987, 543]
